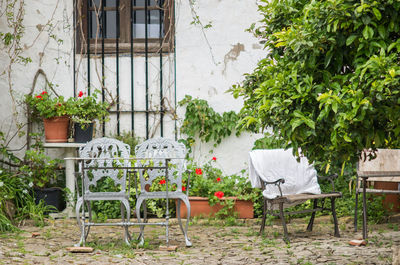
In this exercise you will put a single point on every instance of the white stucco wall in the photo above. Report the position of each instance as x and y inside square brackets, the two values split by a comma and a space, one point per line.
[208, 62]
[208, 71]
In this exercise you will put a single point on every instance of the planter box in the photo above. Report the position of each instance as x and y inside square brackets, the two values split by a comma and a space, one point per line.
[199, 207]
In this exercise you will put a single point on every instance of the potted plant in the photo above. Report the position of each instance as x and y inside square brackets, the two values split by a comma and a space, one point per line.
[84, 109]
[54, 112]
[210, 192]
[41, 172]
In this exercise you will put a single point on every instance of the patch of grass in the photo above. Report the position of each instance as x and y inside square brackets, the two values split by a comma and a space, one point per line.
[235, 231]
[247, 248]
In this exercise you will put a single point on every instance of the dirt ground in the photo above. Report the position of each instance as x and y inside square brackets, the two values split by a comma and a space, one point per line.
[213, 243]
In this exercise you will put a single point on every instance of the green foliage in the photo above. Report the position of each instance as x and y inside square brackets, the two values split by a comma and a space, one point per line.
[129, 138]
[202, 121]
[329, 84]
[46, 106]
[85, 109]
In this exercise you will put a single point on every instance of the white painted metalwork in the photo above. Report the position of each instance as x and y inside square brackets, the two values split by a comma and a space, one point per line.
[161, 149]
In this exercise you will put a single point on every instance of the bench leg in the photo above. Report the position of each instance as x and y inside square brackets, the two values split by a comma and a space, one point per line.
[335, 221]
[311, 223]
[282, 216]
[264, 216]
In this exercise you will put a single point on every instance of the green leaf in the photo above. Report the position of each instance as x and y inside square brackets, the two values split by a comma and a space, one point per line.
[350, 40]
[296, 123]
[368, 32]
[377, 13]
[382, 31]
[347, 138]
[392, 72]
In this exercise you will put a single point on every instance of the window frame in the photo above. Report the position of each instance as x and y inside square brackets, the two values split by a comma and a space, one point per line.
[154, 45]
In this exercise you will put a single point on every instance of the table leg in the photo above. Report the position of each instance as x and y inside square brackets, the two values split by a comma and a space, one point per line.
[70, 179]
[364, 209]
[69, 184]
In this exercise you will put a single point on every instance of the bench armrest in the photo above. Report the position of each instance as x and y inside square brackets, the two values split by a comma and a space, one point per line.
[276, 183]
[330, 178]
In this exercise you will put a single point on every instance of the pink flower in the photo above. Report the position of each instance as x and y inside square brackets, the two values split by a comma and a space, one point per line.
[214, 158]
[162, 181]
[218, 179]
[199, 171]
[80, 94]
[219, 194]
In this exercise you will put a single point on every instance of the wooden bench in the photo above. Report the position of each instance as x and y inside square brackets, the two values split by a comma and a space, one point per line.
[286, 182]
[294, 199]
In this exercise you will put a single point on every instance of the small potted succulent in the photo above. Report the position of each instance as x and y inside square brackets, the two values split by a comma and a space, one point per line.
[84, 109]
[54, 111]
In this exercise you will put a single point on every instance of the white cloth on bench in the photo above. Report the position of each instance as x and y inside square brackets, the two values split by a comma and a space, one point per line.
[273, 164]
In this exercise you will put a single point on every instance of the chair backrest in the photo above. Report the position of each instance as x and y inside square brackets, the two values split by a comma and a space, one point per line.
[386, 160]
[105, 148]
[158, 148]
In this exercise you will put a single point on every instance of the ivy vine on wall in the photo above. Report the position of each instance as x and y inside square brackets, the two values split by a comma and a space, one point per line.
[203, 121]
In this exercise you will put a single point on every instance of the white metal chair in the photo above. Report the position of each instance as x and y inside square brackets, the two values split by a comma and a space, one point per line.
[162, 148]
[97, 161]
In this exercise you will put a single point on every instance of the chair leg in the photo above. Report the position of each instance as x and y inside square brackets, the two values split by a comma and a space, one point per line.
[335, 221]
[141, 236]
[311, 223]
[263, 216]
[81, 223]
[125, 207]
[184, 230]
[282, 216]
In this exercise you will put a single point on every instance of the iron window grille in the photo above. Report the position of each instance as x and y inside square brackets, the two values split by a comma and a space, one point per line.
[107, 26]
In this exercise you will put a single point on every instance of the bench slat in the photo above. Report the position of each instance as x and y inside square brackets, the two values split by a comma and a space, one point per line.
[306, 196]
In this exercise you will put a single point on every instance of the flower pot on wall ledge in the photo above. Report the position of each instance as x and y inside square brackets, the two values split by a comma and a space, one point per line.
[83, 135]
[56, 129]
[199, 206]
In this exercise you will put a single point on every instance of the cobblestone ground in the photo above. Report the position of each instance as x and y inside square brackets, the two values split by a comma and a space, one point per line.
[213, 243]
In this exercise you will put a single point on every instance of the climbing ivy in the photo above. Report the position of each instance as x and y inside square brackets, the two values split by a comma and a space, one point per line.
[203, 121]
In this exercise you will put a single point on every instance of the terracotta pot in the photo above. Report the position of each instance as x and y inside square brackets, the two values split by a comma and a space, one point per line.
[390, 200]
[56, 129]
[199, 207]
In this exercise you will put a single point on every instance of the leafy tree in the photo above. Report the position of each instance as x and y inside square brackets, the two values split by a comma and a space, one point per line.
[330, 81]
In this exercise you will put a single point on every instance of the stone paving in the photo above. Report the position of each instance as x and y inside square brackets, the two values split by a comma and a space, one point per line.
[213, 243]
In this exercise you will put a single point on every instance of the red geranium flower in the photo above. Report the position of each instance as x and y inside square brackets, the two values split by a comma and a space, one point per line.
[218, 179]
[80, 94]
[214, 158]
[219, 194]
[183, 188]
[39, 96]
[199, 171]
[44, 92]
[162, 181]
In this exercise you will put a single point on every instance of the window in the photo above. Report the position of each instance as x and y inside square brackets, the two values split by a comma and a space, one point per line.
[112, 25]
